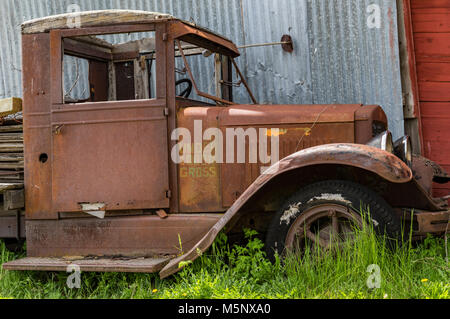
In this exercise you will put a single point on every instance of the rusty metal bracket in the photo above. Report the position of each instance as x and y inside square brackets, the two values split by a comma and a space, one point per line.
[286, 44]
[162, 213]
[432, 222]
[235, 84]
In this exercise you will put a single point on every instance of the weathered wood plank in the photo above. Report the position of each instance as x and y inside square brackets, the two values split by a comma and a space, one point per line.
[10, 106]
[11, 128]
[91, 19]
[90, 39]
[419, 4]
[7, 213]
[82, 49]
[141, 78]
[138, 46]
[435, 72]
[432, 44]
[112, 96]
[13, 165]
[7, 186]
[435, 109]
[431, 20]
[11, 147]
[433, 92]
[13, 199]
[11, 157]
[147, 265]
[11, 176]
[14, 137]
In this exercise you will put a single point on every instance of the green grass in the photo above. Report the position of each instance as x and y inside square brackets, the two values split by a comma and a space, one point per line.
[419, 271]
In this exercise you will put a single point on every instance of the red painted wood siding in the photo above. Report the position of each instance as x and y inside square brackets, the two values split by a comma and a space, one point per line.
[431, 27]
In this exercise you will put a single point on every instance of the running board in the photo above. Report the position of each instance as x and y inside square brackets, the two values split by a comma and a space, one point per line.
[142, 265]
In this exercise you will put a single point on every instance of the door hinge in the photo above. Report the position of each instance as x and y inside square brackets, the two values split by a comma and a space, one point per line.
[166, 111]
[168, 193]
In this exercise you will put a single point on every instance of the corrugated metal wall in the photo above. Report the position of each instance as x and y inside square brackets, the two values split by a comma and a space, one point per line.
[337, 57]
[273, 74]
[353, 63]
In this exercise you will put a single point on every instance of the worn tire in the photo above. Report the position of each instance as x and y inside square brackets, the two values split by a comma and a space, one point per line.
[345, 193]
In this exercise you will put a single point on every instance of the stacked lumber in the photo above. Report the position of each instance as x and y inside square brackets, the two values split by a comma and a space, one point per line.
[11, 155]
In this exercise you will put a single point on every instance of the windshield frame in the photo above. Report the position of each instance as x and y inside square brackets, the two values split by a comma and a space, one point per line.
[206, 95]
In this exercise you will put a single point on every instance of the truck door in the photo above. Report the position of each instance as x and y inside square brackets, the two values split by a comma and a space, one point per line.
[110, 148]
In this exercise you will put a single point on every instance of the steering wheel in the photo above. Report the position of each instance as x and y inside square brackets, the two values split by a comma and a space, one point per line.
[187, 91]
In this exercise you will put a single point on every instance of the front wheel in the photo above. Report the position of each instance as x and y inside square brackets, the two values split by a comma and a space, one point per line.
[326, 214]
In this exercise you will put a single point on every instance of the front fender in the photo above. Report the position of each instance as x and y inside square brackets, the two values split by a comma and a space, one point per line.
[386, 165]
[382, 163]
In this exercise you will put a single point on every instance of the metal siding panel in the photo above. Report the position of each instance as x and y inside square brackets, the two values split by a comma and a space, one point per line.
[276, 76]
[351, 63]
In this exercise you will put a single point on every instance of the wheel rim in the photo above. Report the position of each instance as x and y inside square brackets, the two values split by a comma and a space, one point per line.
[326, 226]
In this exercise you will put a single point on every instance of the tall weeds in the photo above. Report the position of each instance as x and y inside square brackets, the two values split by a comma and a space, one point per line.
[405, 271]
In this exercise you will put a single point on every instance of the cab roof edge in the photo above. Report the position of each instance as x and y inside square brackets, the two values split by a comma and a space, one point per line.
[91, 19]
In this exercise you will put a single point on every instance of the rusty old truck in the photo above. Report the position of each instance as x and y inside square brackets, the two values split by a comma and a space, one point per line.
[136, 156]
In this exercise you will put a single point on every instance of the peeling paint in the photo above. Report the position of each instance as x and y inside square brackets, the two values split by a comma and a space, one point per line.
[333, 197]
[290, 213]
[94, 209]
[92, 206]
[97, 213]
